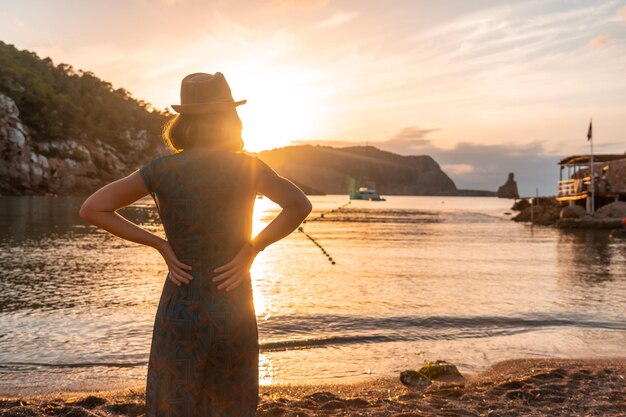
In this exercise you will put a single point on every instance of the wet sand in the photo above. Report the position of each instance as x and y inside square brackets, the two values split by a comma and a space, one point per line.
[517, 387]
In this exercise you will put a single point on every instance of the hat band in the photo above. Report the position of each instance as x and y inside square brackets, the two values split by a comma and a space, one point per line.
[209, 107]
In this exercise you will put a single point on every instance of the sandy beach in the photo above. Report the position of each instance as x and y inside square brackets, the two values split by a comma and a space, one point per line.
[517, 387]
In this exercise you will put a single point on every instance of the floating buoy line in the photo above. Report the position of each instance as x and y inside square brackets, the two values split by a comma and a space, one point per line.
[312, 239]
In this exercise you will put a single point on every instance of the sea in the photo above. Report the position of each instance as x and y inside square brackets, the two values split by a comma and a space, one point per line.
[364, 290]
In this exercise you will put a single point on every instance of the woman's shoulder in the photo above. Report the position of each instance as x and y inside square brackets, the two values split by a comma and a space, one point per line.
[170, 159]
[203, 156]
[248, 156]
[160, 158]
[259, 165]
[241, 157]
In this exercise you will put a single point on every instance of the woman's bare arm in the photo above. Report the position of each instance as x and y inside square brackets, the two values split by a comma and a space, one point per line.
[100, 210]
[295, 207]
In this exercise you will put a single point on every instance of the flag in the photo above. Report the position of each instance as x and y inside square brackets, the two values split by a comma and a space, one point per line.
[590, 131]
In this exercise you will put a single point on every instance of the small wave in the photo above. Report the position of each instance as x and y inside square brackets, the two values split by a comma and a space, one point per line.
[311, 343]
[321, 342]
[403, 216]
[14, 365]
[347, 330]
[336, 330]
[341, 324]
[378, 216]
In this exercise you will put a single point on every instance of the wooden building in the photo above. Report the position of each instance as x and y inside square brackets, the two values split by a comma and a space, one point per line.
[575, 179]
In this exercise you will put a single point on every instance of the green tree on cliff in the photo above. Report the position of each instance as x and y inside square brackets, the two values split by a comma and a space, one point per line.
[58, 102]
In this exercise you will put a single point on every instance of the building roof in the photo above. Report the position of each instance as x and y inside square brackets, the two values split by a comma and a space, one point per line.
[584, 159]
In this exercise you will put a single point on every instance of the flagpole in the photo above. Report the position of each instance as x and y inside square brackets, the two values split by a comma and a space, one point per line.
[593, 177]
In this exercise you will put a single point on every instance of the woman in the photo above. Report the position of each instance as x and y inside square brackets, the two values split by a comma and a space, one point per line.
[204, 352]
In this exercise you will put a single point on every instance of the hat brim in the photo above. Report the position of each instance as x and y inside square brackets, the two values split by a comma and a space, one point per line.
[202, 108]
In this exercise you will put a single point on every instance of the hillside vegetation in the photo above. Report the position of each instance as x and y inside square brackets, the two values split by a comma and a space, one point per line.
[57, 102]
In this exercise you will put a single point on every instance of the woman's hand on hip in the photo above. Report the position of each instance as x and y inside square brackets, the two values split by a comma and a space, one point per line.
[237, 270]
[176, 268]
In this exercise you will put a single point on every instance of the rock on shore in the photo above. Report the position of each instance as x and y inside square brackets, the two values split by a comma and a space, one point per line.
[616, 210]
[547, 212]
[544, 211]
[517, 387]
[609, 216]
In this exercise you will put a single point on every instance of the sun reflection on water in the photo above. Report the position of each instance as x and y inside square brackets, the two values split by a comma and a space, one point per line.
[262, 207]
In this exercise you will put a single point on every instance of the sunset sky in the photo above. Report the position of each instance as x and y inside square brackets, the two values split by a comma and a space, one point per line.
[485, 87]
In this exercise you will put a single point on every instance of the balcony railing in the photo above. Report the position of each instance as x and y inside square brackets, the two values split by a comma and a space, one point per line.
[574, 187]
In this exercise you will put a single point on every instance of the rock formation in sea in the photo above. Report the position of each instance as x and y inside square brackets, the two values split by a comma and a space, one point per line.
[509, 189]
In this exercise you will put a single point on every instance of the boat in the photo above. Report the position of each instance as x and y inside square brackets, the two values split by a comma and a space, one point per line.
[365, 193]
[366, 190]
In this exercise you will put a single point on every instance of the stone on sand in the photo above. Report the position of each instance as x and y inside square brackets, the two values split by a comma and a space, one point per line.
[431, 371]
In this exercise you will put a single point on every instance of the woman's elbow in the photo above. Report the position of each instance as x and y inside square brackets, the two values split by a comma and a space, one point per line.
[85, 212]
[305, 207]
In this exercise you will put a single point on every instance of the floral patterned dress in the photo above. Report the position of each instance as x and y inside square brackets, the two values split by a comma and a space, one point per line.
[204, 353]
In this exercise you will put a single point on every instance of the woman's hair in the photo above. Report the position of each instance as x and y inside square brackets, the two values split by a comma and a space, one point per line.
[216, 130]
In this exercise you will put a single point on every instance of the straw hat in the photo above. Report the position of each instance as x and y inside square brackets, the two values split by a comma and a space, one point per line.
[205, 93]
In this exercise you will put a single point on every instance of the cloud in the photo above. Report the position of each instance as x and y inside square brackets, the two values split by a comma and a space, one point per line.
[473, 165]
[408, 140]
[411, 133]
[337, 19]
[458, 169]
[485, 72]
[479, 166]
[622, 13]
[304, 4]
[599, 42]
[11, 21]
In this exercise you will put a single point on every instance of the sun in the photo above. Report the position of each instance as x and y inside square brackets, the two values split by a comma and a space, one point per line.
[283, 106]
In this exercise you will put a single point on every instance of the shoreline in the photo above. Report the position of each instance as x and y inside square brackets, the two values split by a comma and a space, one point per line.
[513, 387]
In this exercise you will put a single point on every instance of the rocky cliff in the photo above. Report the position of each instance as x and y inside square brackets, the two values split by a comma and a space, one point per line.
[68, 167]
[65, 131]
[334, 170]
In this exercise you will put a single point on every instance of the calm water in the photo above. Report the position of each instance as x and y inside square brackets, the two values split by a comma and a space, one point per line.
[414, 279]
